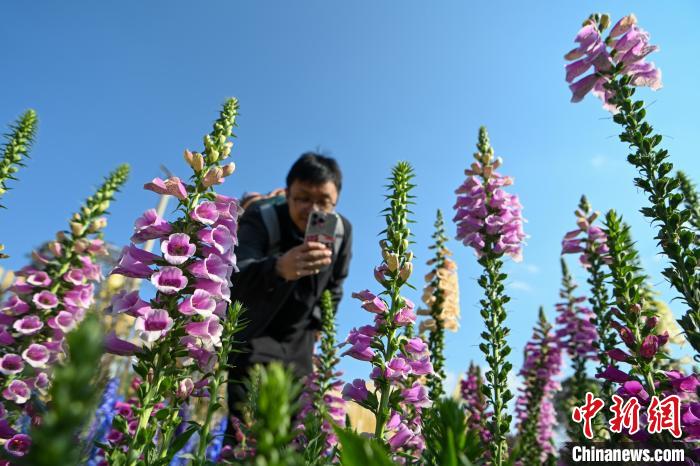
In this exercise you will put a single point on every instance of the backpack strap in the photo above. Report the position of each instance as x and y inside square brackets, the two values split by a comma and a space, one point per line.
[269, 218]
[339, 233]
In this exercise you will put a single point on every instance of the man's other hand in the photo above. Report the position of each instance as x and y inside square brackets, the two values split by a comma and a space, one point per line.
[305, 259]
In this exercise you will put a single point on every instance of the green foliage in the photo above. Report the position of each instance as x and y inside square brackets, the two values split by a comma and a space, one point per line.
[17, 146]
[448, 440]
[275, 406]
[361, 451]
[73, 396]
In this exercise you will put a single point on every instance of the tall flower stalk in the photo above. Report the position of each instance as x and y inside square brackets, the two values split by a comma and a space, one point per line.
[577, 334]
[489, 220]
[17, 146]
[441, 295]
[534, 406]
[691, 200]
[475, 403]
[620, 65]
[394, 356]
[320, 404]
[589, 241]
[217, 380]
[48, 301]
[181, 327]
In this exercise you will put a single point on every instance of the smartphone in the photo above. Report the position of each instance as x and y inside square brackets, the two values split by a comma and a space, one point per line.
[321, 228]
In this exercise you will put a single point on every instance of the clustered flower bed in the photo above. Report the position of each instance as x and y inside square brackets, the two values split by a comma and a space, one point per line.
[167, 367]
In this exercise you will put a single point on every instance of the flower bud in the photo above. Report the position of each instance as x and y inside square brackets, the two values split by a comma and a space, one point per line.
[392, 261]
[604, 22]
[406, 271]
[76, 228]
[652, 322]
[197, 162]
[61, 236]
[228, 169]
[188, 157]
[212, 177]
[98, 224]
[212, 155]
[55, 248]
[81, 245]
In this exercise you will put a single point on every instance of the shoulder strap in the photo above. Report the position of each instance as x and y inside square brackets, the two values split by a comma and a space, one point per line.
[339, 233]
[269, 217]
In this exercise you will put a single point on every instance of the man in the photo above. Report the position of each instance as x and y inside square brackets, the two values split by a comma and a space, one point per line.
[281, 278]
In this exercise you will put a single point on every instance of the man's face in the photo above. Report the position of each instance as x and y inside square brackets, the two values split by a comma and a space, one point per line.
[303, 198]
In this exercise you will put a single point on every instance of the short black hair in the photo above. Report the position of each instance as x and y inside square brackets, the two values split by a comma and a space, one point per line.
[315, 168]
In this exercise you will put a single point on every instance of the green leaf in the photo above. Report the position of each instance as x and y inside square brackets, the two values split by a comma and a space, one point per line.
[360, 451]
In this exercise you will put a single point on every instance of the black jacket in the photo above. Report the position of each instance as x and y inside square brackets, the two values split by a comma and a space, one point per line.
[282, 315]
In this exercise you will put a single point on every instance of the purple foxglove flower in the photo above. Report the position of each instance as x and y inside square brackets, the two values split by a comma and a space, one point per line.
[28, 325]
[360, 351]
[405, 316]
[376, 306]
[416, 346]
[169, 280]
[356, 391]
[17, 391]
[14, 306]
[11, 364]
[201, 302]
[212, 268]
[184, 388]
[45, 300]
[6, 431]
[6, 339]
[177, 248]
[114, 436]
[682, 383]
[123, 409]
[633, 388]
[91, 270]
[206, 213]
[417, 395]
[227, 206]
[18, 445]
[80, 296]
[650, 345]
[422, 366]
[172, 186]
[134, 263]
[394, 421]
[208, 331]
[114, 345]
[219, 238]
[150, 226]
[128, 302]
[614, 375]
[400, 438]
[216, 289]
[75, 277]
[618, 355]
[364, 295]
[41, 382]
[39, 278]
[36, 355]
[65, 321]
[397, 368]
[153, 324]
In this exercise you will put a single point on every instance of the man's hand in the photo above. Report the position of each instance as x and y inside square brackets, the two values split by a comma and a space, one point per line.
[305, 259]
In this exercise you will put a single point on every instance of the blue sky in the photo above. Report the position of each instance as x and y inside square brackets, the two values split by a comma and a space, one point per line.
[369, 82]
